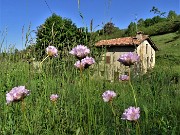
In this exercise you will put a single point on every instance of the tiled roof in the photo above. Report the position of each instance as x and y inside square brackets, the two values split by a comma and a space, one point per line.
[124, 41]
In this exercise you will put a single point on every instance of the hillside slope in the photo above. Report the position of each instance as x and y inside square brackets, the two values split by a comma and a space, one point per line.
[169, 50]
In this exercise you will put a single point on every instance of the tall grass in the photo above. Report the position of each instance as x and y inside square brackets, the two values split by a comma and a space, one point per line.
[80, 109]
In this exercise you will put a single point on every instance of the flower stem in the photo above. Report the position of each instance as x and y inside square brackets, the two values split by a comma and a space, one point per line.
[24, 113]
[115, 118]
[54, 107]
[134, 95]
[44, 60]
[81, 72]
[112, 108]
[137, 128]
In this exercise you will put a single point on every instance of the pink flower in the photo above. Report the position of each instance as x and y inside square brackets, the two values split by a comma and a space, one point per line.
[17, 94]
[124, 77]
[88, 60]
[54, 97]
[131, 114]
[79, 64]
[108, 95]
[84, 63]
[129, 59]
[80, 51]
[51, 51]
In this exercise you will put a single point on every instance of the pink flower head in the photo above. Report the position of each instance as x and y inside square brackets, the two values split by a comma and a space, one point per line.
[88, 61]
[131, 114]
[54, 97]
[51, 51]
[124, 78]
[128, 59]
[79, 64]
[84, 63]
[80, 51]
[108, 95]
[17, 94]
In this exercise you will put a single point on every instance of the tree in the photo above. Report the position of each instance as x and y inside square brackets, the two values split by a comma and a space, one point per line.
[131, 29]
[61, 33]
[157, 19]
[171, 15]
[148, 22]
[140, 22]
[157, 11]
[108, 28]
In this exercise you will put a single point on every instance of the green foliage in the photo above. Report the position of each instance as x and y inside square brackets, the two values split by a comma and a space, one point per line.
[160, 25]
[156, 25]
[115, 34]
[140, 22]
[157, 11]
[108, 31]
[109, 28]
[61, 33]
[148, 22]
[151, 26]
[161, 28]
[132, 29]
[172, 15]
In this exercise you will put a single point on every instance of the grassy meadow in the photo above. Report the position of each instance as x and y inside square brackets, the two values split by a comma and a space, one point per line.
[80, 109]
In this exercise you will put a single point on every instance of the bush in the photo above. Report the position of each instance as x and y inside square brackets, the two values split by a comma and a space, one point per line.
[161, 28]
